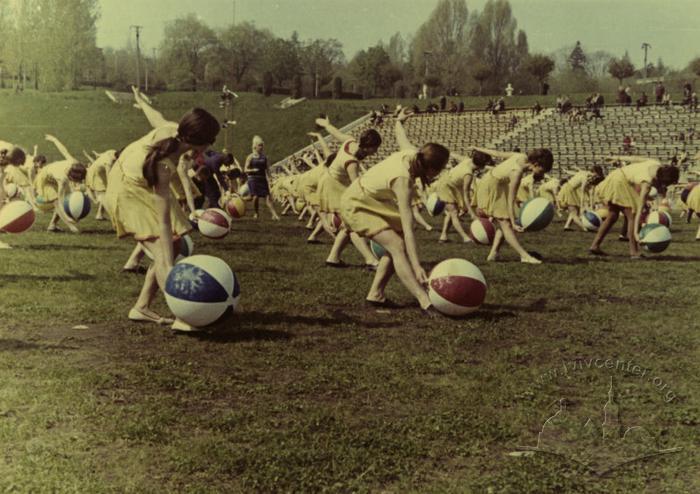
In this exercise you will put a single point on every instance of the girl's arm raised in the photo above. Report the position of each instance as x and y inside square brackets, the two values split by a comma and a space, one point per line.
[61, 148]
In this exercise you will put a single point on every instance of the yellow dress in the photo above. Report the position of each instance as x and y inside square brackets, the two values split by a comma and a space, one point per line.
[18, 175]
[130, 201]
[492, 193]
[49, 179]
[571, 193]
[693, 199]
[618, 187]
[369, 205]
[332, 185]
[475, 190]
[451, 185]
[308, 185]
[525, 189]
[548, 190]
[96, 177]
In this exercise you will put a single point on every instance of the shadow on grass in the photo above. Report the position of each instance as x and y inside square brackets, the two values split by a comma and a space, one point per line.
[539, 305]
[72, 276]
[70, 247]
[13, 345]
[672, 258]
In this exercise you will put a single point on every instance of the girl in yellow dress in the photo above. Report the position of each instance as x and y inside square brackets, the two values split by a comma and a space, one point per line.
[96, 179]
[497, 193]
[378, 206]
[54, 181]
[23, 175]
[692, 203]
[618, 192]
[9, 155]
[142, 205]
[454, 189]
[572, 195]
[526, 190]
[342, 171]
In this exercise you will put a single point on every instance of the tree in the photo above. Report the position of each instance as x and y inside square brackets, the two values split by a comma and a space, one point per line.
[522, 50]
[540, 66]
[372, 69]
[493, 39]
[597, 63]
[577, 58]
[396, 49]
[241, 48]
[320, 58]
[694, 66]
[621, 68]
[445, 36]
[481, 73]
[187, 44]
[281, 58]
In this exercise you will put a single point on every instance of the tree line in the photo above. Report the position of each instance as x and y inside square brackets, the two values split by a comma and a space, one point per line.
[51, 45]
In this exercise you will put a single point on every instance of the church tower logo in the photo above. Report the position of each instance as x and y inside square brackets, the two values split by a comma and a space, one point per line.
[601, 446]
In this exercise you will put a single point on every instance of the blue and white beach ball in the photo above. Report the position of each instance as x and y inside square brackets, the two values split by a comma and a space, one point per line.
[536, 214]
[201, 290]
[76, 205]
[434, 205]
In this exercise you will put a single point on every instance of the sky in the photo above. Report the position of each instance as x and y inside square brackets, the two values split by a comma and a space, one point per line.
[671, 27]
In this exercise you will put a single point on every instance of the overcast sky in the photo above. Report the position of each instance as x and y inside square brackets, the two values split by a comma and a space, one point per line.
[670, 26]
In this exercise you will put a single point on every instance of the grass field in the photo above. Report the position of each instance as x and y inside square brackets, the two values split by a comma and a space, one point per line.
[307, 390]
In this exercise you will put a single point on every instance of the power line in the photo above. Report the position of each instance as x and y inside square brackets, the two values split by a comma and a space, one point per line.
[138, 54]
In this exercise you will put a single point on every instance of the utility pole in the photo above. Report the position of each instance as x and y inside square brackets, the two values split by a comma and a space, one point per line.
[234, 13]
[646, 47]
[138, 54]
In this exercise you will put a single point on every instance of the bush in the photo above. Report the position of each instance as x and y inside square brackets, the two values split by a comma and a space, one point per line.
[268, 82]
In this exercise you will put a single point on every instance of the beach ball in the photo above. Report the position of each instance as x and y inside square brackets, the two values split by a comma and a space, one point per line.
[201, 290]
[299, 204]
[591, 221]
[214, 223]
[654, 237]
[235, 207]
[377, 249]
[482, 231]
[602, 213]
[76, 205]
[43, 205]
[434, 205]
[653, 192]
[536, 214]
[660, 218]
[456, 287]
[194, 218]
[11, 191]
[686, 190]
[16, 217]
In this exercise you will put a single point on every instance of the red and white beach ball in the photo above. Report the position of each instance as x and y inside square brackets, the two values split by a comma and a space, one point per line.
[214, 223]
[482, 231]
[16, 217]
[235, 207]
[456, 287]
[659, 218]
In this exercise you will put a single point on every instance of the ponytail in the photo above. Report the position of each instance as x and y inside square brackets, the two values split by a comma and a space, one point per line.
[158, 151]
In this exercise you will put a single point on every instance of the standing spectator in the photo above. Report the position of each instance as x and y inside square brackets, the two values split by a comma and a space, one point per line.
[443, 103]
[628, 96]
[545, 88]
[627, 144]
[693, 102]
[537, 108]
[642, 100]
[513, 122]
[621, 96]
[666, 100]
[453, 107]
[460, 107]
[660, 90]
[687, 93]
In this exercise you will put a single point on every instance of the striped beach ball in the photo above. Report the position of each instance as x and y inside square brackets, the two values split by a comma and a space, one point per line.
[686, 190]
[456, 287]
[654, 237]
[43, 205]
[235, 207]
[536, 214]
[377, 249]
[202, 290]
[482, 231]
[660, 218]
[214, 223]
[591, 221]
[434, 205]
[16, 217]
[76, 205]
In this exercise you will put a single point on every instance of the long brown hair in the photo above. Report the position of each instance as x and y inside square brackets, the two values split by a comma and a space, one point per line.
[197, 127]
[431, 157]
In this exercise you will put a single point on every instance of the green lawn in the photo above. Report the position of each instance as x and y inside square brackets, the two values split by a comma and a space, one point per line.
[307, 390]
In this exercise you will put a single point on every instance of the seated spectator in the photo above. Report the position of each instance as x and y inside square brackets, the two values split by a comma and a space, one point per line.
[627, 144]
[500, 105]
[621, 95]
[666, 100]
[453, 107]
[693, 102]
[642, 100]
[537, 108]
[513, 122]
[489, 105]
[687, 93]
[415, 109]
[566, 105]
